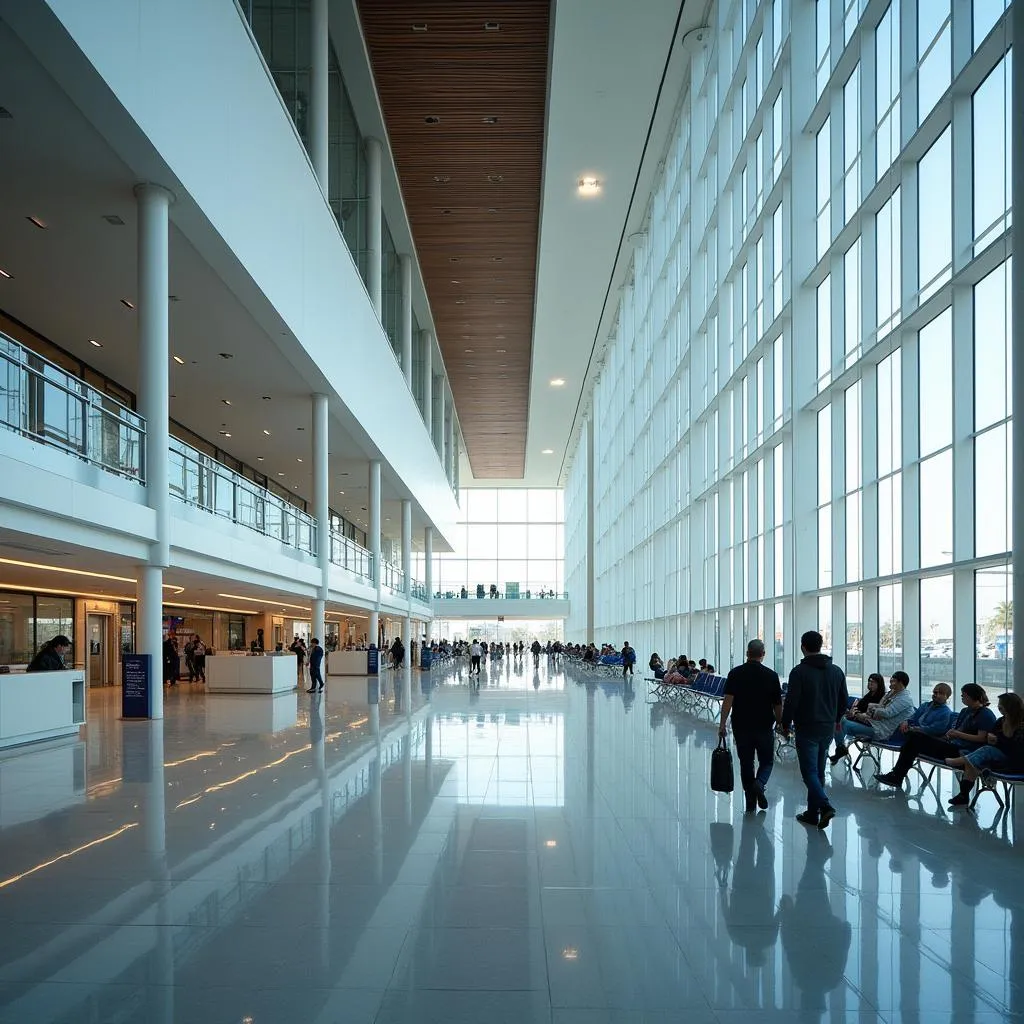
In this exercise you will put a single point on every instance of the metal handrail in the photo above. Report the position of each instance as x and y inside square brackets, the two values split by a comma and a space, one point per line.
[41, 400]
[526, 592]
[419, 590]
[202, 481]
[392, 577]
[346, 553]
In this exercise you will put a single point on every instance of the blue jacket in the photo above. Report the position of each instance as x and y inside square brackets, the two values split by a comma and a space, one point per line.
[934, 719]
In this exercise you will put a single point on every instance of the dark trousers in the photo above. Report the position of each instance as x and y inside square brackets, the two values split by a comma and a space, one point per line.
[917, 743]
[751, 741]
[315, 677]
[474, 664]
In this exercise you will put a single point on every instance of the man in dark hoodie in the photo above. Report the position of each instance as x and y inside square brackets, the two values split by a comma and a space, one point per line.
[815, 703]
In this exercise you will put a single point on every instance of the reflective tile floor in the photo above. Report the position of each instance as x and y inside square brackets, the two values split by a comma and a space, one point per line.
[545, 849]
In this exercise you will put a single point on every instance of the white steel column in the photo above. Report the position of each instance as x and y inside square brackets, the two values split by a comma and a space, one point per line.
[1017, 283]
[319, 101]
[590, 529]
[374, 225]
[407, 571]
[405, 267]
[322, 514]
[154, 406]
[449, 440]
[427, 340]
[374, 540]
[428, 573]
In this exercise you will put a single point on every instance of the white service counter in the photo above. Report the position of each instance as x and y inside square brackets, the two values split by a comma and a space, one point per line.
[40, 705]
[240, 673]
[346, 663]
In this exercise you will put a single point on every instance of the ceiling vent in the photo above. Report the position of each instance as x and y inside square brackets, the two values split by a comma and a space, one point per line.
[113, 220]
[420, 26]
[432, 119]
[492, 26]
[490, 120]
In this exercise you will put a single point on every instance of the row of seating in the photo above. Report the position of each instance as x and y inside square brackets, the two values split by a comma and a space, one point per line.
[706, 692]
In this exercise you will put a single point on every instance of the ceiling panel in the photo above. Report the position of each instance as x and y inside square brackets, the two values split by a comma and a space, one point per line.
[463, 87]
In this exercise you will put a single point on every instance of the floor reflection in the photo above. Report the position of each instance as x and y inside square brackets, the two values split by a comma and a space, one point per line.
[413, 848]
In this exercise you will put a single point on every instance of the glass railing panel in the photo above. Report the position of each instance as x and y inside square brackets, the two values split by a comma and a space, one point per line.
[506, 592]
[202, 481]
[41, 400]
[351, 556]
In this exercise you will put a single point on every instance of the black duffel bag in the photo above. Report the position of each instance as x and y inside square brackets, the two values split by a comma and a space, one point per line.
[721, 768]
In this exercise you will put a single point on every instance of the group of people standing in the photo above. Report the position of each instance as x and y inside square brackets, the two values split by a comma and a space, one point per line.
[817, 710]
[195, 659]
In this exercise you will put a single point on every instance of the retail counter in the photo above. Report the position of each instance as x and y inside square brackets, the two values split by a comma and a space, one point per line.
[346, 663]
[240, 673]
[40, 705]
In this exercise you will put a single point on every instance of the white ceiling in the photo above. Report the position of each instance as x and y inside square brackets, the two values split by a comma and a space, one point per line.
[608, 61]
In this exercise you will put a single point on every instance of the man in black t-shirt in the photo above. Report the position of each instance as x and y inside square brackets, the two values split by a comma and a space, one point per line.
[753, 695]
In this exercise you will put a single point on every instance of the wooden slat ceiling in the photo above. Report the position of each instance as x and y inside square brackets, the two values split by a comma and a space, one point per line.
[471, 181]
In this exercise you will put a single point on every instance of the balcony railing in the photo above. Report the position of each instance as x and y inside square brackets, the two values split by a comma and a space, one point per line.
[419, 591]
[351, 556]
[505, 592]
[392, 577]
[199, 480]
[40, 400]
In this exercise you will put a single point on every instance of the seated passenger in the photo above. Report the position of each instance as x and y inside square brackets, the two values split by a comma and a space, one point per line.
[657, 666]
[678, 676]
[874, 694]
[935, 716]
[1003, 749]
[880, 721]
[967, 735]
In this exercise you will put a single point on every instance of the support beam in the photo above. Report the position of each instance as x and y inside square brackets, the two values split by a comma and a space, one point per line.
[405, 268]
[322, 514]
[374, 227]
[1017, 429]
[154, 405]
[319, 93]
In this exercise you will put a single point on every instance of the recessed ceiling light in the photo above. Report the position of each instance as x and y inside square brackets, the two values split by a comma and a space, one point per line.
[548, 451]
[95, 343]
[500, 351]
[492, 209]
[266, 398]
[419, 26]
[445, 213]
[460, 302]
[226, 355]
[267, 432]
[492, 26]
[4, 274]
[501, 302]
[442, 179]
[432, 119]
[225, 433]
[341, 492]
[456, 282]
[128, 304]
[495, 179]
[113, 220]
[280, 474]
[259, 458]
[178, 360]
[489, 120]
[588, 186]
[497, 259]
[469, 351]
[558, 382]
[226, 401]
[298, 459]
[454, 259]
[39, 222]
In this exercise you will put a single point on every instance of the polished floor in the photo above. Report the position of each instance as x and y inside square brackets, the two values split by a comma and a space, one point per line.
[543, 849]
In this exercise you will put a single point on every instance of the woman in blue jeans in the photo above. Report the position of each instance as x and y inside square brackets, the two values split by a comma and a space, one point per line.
[880, 720]
[1003, 749]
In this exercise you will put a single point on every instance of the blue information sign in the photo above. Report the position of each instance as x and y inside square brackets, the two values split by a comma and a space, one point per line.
[136, 676]
[426, 658]
[372, 660]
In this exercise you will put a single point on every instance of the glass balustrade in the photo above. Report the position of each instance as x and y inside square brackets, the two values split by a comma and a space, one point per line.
[505, 592]
[199, 480]
[346, 553]
[419, 591]
[40, 400]
[392, 577]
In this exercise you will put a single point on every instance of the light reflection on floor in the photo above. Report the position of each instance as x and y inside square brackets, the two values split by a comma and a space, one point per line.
[541, 848]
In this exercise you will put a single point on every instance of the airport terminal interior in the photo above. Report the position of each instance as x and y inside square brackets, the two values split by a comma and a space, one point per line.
[374, 376]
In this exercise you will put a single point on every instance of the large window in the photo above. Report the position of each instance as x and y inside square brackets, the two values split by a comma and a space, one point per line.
[27, 621]
[510, 537]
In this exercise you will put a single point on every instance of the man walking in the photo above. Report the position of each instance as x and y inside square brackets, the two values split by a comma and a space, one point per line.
[815, 704]
[316, 660]
[628, 659]
[753, 696]
[475, 653]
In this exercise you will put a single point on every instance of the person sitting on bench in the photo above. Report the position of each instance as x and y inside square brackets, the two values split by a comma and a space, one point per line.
[935, 716]
[968, 734]
[1003, 749]
[880, 720]
[657, 666]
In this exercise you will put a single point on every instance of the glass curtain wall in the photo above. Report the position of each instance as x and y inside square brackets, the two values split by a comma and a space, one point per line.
[803, 419]
[510, 537]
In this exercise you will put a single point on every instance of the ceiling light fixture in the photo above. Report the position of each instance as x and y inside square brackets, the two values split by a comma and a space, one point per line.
[442, 179]
[548, 451]
[38, 221]
[128, 304]
[557, 382]
[114, 220]
[280, 474]
[95, 343]
[4, 274]
[226, 355]
[224, 433]
[588, 186]
[266, 398]
[495, 179]
[259, 458]
[298, 459]
[489, 120]
[226, 401]
[454, 259]
[432, 119]
[492, 26]
[178, 360]
[419, 27]
[500, 351]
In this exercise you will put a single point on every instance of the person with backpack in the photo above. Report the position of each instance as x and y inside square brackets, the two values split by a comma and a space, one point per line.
[815, 703]
[628, 659]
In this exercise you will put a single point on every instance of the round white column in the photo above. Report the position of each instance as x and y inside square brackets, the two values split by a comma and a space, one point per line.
[405, 266]
[322, 513]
